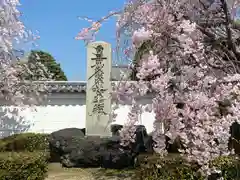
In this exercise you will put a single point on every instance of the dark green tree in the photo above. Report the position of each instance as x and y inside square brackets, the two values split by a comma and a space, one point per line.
[49, 62]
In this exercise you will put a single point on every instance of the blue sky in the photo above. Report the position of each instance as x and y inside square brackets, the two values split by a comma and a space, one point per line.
[57, 23]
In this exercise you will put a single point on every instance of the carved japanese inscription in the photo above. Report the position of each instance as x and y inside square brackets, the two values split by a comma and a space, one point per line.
[98, 100]
[98, 89]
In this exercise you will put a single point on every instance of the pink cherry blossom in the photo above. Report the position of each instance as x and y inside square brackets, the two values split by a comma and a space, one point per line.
[184, 65]
[14, 88]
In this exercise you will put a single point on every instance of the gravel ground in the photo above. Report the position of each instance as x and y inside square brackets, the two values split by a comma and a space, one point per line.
[56, 172]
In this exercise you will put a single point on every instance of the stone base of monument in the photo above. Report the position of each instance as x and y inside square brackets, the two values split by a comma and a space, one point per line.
[72, 148]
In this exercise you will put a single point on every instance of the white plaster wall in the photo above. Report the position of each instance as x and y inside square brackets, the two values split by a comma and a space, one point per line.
[58, 112]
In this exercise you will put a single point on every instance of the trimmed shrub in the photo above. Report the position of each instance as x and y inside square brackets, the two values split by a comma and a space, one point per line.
[229, 165]
[173, 167]
[25, 142]
[23, 165]
[2, 146]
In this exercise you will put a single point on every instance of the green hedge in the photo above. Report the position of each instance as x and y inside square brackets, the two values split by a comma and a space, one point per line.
[173, 167]
[24, 142]
[23, 165]
[230, 167]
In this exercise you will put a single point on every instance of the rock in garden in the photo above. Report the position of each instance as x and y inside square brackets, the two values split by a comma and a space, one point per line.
[59, 140]
[119, 159]
[235, 137]
[115, 128]
[115, 156]
[82, 152]
[139, 144]
[73, 149]
[143, 142]
[98, 152]
[69, 132]
[148, 144]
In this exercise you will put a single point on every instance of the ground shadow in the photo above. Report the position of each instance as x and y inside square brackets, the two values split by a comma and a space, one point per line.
[103, 174]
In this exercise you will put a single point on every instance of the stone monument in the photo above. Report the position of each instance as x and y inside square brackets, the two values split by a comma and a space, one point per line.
[98, 98]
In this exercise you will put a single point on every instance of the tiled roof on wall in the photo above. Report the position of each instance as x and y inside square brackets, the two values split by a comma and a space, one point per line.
[69, 86]
[66, 86]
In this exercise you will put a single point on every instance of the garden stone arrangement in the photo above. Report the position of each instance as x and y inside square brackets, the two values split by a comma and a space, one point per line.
[72, 148]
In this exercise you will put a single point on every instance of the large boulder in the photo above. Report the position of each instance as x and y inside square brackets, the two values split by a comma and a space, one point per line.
[98, 152]
[71, 148]
[67, 132]
[60, 140]
[235, 138]
[115, 156]
[143, 142]
[115, 128]
[139, 146]
[81, 152]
